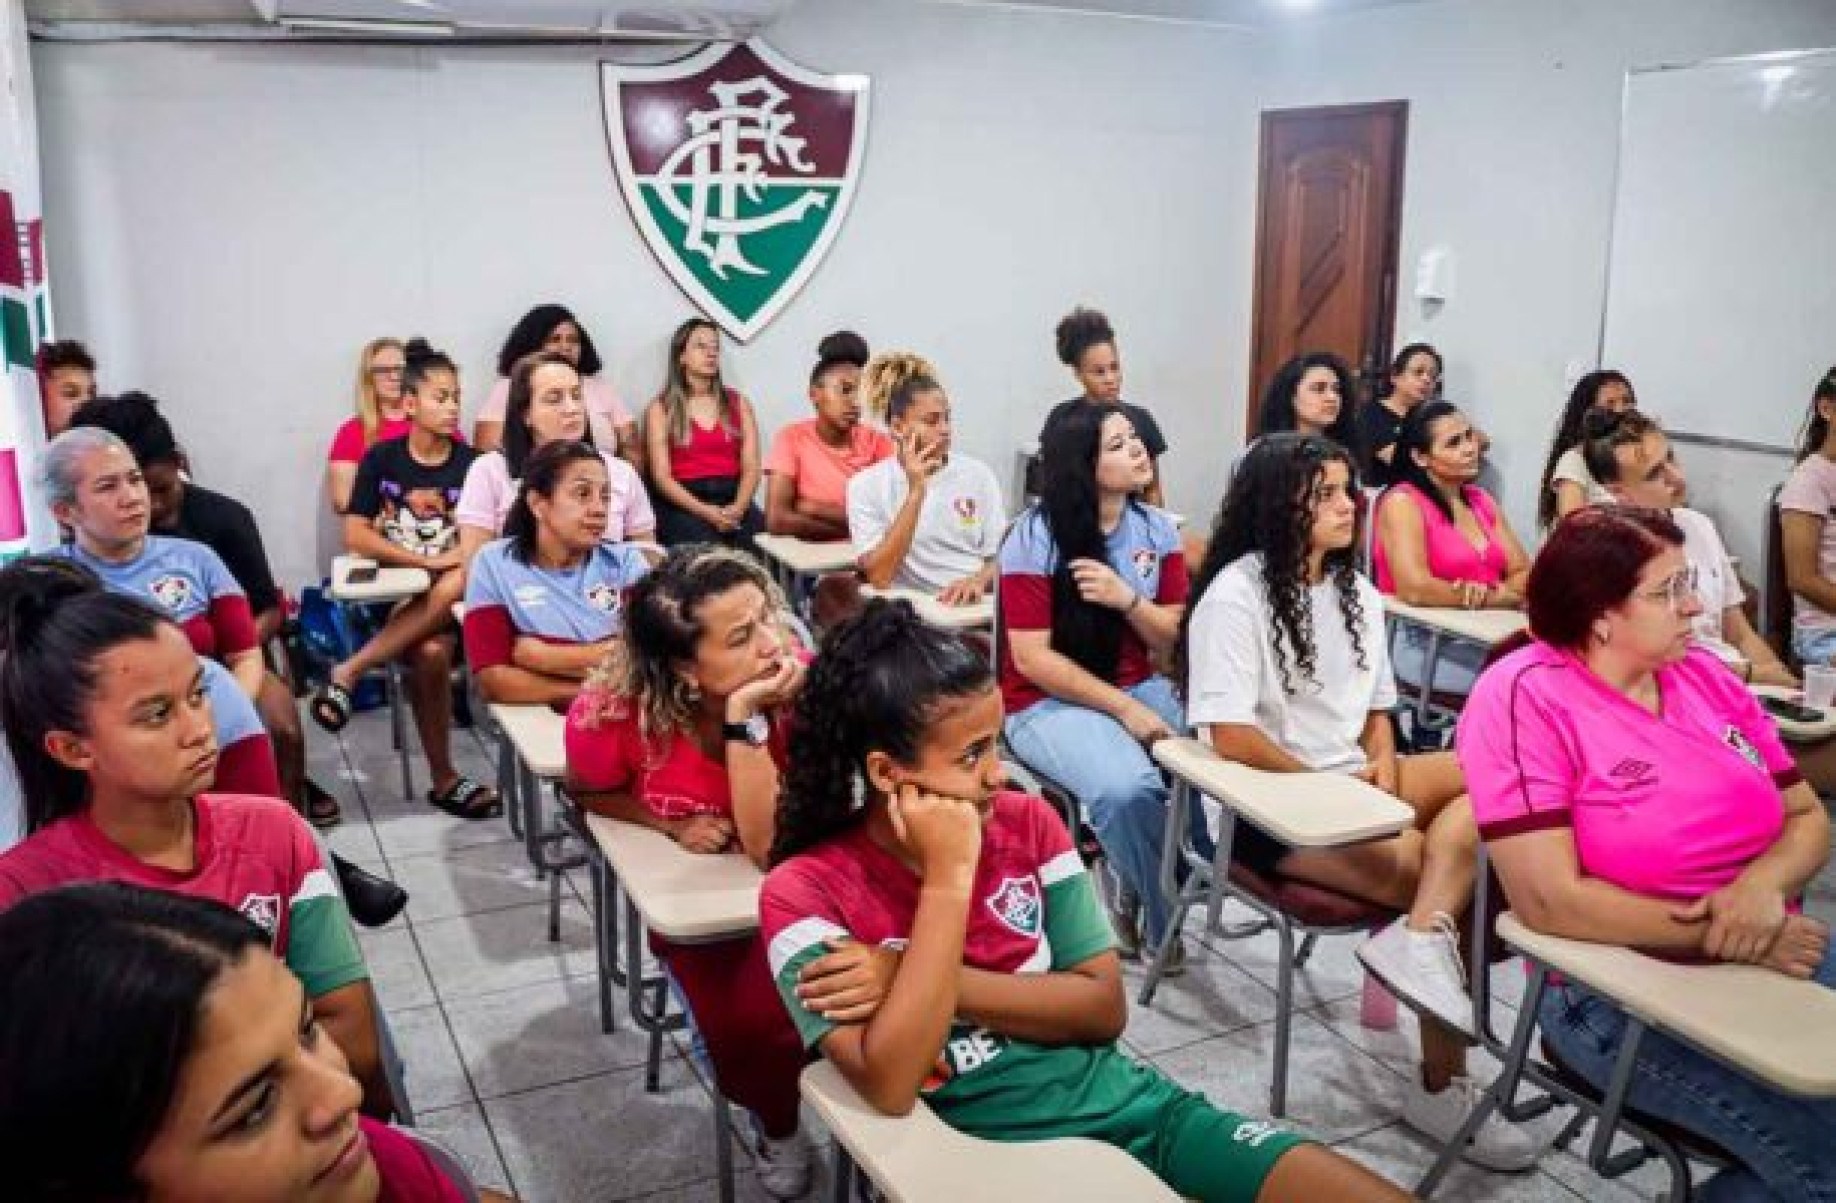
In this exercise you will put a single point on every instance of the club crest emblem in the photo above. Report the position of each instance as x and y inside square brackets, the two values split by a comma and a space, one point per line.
[966, 514]
[603, 597]
[172, 591]
[263, 910]
[1144, 563]
[1016, 903]
[738, 166]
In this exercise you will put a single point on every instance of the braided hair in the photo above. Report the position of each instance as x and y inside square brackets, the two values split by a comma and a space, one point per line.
[1269, 510]
[876, 685]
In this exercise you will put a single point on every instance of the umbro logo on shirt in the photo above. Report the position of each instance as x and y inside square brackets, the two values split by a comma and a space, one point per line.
[1632, 772]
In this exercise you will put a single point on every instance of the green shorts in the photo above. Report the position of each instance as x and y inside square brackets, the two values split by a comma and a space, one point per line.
[1200, 1151]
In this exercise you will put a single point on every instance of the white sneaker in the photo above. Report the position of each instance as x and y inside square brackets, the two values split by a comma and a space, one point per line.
[783, 1166]
[1422, 968]
[1497, 1145]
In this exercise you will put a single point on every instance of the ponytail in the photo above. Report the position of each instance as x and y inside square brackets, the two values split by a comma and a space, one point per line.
[541, 474]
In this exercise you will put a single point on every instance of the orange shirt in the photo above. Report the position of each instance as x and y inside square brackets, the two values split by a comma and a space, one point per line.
[822, 471]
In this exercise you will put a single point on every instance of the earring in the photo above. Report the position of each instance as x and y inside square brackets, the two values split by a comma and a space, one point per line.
[691, 693]
[1603, 635]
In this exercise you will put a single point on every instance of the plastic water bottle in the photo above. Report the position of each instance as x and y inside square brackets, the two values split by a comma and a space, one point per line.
[1377, 1009]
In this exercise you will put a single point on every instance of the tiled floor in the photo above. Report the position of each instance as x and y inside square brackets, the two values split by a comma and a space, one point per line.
[508, 1067]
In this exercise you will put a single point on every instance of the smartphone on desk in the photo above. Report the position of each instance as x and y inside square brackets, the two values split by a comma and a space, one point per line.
[1789, 711]
[363, 572]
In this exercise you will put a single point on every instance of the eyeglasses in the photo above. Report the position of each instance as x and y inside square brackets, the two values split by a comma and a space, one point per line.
[384, 369]
[1673, 592]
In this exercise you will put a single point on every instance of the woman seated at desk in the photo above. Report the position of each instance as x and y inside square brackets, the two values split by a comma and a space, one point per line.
[1632, 792]
[1443, 541]
[1282, 659]
[926, 519]
[684, 734]
[544, 604]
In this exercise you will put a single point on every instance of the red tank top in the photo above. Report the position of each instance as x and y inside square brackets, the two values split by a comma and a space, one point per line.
[709, 452]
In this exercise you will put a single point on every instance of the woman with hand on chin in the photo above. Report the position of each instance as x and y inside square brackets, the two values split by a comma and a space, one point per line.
[684, 733]
[1632, 792]
[927, 519]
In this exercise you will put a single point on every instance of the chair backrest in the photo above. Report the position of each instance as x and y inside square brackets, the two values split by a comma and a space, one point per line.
[1776, 624]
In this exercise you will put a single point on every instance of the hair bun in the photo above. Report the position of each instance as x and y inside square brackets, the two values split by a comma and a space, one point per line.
[1080, 330]
[418, 348]
[886, 373]
[843, 346]
[32, 589]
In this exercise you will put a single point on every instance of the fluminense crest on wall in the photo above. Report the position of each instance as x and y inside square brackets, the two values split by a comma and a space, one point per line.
[739, 167]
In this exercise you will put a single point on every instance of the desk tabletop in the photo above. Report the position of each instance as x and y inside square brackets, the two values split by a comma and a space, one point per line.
[1774, 1027]
[917, 1158]
[682, 895]
[1791, 729]
[810, 559]
[1302, 810]
[973, 616]
[1487, 627]
[391, 583]
[539, 736]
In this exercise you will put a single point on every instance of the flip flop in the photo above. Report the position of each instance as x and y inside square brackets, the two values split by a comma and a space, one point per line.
[466, 799]
[331, 707]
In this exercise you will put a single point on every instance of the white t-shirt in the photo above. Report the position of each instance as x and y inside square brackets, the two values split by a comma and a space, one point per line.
[1571, 466]
[1235, 677]
[959, 527]
[1717, 584]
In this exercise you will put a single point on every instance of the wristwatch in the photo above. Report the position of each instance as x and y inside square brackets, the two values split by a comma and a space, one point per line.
[755, 731]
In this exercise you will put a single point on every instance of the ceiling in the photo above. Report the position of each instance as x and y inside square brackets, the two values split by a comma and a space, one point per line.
[579, 13]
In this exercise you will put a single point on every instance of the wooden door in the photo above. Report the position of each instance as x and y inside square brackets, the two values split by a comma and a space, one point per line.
[1328, 216]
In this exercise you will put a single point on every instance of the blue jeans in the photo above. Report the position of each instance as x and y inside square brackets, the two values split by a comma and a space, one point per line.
[1115, 780]
[1815, 646]
[1785, 1146]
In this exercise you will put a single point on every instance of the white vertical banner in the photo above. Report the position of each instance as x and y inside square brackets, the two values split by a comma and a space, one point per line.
[25, 303]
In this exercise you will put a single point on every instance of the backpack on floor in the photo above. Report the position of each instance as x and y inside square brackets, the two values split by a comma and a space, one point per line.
[329, 633]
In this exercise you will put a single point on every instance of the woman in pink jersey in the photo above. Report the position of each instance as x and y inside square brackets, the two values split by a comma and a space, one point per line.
[702, 447]
[1632, 792]
[999, 999]
[151, 1047]
[684, 734]
[382, 414]
[109, 722]
[1443, 541]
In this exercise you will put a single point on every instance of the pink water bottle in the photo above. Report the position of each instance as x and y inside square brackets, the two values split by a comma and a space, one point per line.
[1377, 1009]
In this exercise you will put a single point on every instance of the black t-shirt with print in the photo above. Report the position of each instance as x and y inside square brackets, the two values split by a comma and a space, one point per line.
[411, 503]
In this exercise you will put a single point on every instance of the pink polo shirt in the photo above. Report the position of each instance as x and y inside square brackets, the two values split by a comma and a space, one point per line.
[489, 492]
[1669, 807]
[1451, 556]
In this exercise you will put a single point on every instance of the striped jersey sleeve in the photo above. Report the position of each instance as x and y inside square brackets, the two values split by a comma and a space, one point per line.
[1075, 926]
[321, 944]
[798, 920]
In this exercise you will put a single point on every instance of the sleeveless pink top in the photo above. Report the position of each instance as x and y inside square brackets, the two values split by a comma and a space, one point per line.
[1451, 555]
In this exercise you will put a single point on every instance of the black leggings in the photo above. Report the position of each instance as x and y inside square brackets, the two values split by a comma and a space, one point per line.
[676, 526]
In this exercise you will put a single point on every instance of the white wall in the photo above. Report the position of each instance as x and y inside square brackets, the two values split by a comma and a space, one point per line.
[1513, 136]
[229, 223]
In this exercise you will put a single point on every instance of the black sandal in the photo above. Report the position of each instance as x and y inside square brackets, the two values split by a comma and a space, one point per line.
[466, 799]
[331, 707]
[322, 810]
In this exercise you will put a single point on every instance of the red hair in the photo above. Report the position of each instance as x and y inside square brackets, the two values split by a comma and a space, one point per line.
[1590, 565]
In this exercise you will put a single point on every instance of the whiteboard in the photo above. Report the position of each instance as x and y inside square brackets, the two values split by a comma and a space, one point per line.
[1721, 279]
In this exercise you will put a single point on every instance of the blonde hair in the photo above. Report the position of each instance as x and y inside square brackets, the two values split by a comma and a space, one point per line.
[892, 378]
[369, 410]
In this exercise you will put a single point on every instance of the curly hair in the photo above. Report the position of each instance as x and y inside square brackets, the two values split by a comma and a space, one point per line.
[662, 627]
[876, 685]
[1080, 330]
[893, 379]
[1277, 413]
[1269, 511]
[1581, 402]
[532, 330]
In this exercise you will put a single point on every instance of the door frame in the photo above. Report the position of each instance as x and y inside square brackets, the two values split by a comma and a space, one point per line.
[1385, 332]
